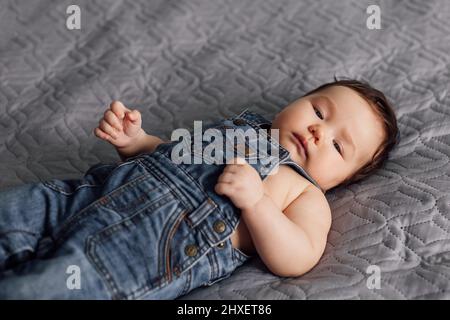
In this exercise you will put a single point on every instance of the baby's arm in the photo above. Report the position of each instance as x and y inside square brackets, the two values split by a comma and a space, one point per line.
[121, 127]
[289, 243]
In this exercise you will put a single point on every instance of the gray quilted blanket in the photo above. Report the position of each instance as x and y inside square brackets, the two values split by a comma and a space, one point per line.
[180, 61]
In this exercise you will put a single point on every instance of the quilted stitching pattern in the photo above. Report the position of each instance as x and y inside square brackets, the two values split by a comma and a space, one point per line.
[183, 61]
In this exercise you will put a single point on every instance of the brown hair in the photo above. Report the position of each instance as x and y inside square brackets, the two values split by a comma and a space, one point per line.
[384, 110]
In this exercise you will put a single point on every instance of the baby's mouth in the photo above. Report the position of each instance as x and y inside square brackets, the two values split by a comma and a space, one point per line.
[299, 145]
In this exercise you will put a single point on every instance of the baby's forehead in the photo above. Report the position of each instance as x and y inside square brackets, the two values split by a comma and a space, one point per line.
[339, 92]
[345, 99]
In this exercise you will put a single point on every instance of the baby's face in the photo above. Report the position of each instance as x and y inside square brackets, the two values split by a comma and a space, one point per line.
[341, 131]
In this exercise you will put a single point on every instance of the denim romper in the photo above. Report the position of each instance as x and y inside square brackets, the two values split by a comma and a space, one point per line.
[146, 228]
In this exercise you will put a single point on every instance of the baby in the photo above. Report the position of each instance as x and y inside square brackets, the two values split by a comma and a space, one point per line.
[150, 228]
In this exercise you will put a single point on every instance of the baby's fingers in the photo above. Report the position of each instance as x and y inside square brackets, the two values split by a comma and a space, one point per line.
[112, 119]
[222, 188]
[108, 129]
[134, 116]
[102, 135]
[119, 109]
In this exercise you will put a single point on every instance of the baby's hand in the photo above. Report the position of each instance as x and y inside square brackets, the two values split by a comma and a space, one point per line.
[119, 126]
[241, 183]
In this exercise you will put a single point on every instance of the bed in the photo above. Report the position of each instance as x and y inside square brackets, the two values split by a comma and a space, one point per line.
[180, 61]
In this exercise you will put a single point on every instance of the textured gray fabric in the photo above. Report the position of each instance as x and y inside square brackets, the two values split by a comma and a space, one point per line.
[179, 61]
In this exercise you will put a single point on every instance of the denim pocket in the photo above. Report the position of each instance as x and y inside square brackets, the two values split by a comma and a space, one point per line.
[133, 255]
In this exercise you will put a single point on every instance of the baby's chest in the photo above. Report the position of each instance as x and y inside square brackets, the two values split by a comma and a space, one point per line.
[284, 186]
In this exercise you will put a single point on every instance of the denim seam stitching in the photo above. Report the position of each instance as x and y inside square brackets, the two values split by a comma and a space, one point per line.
[34, 234]
[64, 192]
[217, 207]
[69, 224]
[187, 283]
[61, 190]
[203, 192]
[160, 176]
[167, 249]
[98, 239]
[192, 180]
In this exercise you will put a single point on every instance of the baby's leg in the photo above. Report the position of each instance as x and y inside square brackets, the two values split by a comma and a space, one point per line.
[66, 273]
[89, 238]
[23, 219]
[32, 214]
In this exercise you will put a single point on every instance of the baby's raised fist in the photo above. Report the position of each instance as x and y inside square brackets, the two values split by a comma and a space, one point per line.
[119, 126]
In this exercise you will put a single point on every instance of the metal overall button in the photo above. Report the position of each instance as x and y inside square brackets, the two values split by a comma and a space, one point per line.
[239, 122]
[190, 250]
[221, 245]
[219, 226]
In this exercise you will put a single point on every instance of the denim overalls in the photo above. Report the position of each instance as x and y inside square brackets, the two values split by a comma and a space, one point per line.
[146, 228]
